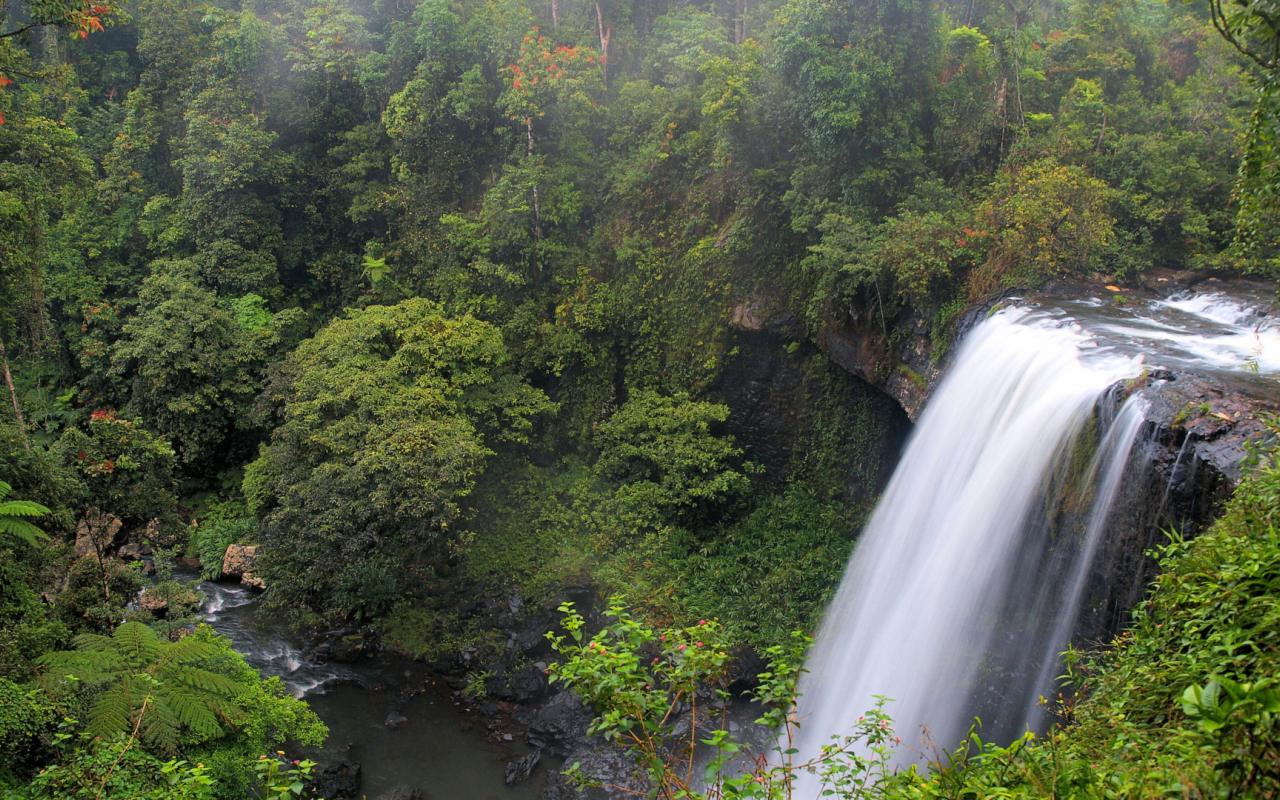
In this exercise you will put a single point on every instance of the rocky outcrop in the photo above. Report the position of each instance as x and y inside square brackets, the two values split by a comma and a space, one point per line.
[521, 769]
[239, 560]
[97, 531]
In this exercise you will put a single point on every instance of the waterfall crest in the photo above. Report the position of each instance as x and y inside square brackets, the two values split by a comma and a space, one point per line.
[964, 585]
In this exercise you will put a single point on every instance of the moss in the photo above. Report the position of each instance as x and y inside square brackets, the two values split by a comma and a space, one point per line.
[916, 378]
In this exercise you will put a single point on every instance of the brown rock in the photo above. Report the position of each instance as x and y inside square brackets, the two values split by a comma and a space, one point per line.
[96, 527]
[158, 605]
[158, 536]
[239, 559]
[130, 552]
[251, 581]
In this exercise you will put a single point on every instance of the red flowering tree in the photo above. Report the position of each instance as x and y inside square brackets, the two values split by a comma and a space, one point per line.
[126, 470]
[18, 21]
[546, 76]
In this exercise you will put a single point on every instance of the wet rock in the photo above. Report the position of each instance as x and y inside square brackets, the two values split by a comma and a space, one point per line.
[528, 685]
[96, 528]
[613, 767]
[564, 718]
[130, 552]
[402, 792]
[158, 605]
[339, 780]
[251, 581]
[347, 649]
[395, 719]
[239, 559]
[521, 769]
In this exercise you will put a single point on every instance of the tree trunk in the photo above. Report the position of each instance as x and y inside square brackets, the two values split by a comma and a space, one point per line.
[605, 33]
[17, 409]
[555, 13]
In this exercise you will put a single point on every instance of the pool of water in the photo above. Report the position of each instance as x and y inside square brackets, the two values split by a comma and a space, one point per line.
[438, 747]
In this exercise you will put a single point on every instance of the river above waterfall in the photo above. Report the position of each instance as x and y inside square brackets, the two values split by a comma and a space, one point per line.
[437, 748]
[1230, 331]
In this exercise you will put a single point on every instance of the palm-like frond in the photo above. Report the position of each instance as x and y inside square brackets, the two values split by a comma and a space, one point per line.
[12, 513]
[22, 529]
[160, 728]
[151, 685]
[115, 711]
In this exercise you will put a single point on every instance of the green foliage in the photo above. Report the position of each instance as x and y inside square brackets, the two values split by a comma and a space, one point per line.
[390, 414]
[211, 542]
[766, 575]
[113, 767]
[14, 514]
[668, 464]
[145, 686]
[193, 363]
[126, 470]
[640, 680]
[282, 783]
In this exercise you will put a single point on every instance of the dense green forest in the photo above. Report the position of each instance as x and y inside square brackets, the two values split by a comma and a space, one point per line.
[421, 294]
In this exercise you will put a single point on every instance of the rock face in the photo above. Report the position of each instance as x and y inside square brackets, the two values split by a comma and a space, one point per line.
[239, 560]
[600, 761]
[96, 528]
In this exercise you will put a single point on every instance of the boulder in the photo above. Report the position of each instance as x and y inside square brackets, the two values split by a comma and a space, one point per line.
[395, 719]
[239, 559]
[402, 792]
[130, 552]
[347, 649]
[251, 581]
[521, 769]
[158, 605]
[96, 527]
[564, 718]
[612, 769]
[528, 684]
[339, 780]
[159, 536]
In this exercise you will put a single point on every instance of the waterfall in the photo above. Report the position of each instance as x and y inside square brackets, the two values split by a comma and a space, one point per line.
[965, 584]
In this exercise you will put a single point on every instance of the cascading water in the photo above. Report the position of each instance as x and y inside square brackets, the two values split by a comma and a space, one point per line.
[964, 585]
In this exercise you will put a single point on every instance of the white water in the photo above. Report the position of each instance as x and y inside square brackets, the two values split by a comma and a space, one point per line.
[1204, 331]
[962, 589]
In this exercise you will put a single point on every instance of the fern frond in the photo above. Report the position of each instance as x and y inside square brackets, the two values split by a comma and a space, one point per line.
[113, 713]
[4, 490]
[94, 643]
[23, 508]
[22, 529]
[92, 668]
[136, 642]
[203, 681]
[187, 650]
[160, 728]
[192, 709]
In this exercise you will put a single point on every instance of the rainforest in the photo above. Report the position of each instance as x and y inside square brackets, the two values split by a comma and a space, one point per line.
[480, 399]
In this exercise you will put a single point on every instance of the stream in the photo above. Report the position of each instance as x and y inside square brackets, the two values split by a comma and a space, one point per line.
[438, 748]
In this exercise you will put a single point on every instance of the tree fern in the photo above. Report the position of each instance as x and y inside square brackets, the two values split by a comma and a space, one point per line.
[13, 513]
[146, 684]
